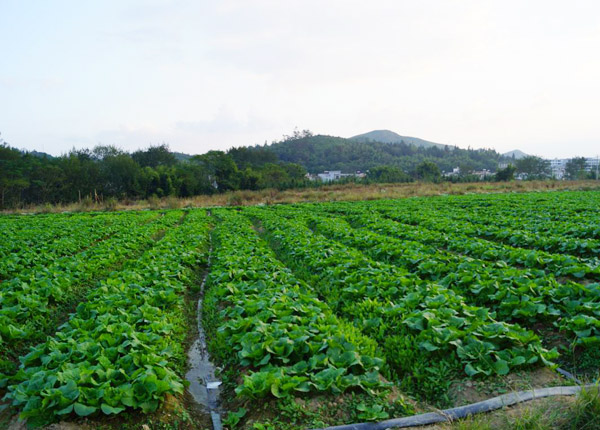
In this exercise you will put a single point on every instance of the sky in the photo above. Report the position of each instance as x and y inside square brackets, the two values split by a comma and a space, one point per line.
[203, 75]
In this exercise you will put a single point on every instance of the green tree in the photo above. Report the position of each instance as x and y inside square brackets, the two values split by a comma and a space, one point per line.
[576, 168]
[506, 174]
[250, 179]
[155, 156]
[100, 152]
[294, 171]
[428, 171]
[533, 167]
[81, 175]
[273, 176]
[192, 179]
[221, 169]
[252, 157]
[149, 182]
[12, 178]
[387, 174]
[119, 176]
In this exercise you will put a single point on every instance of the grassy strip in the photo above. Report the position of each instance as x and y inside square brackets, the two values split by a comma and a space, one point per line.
[333, 192]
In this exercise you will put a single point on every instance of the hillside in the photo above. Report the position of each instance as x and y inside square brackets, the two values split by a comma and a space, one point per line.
[388, 136]
[516, 154]
[318, 153]
[38, 154]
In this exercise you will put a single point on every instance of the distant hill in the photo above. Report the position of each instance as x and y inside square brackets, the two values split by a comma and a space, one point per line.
[387, 136]
[318, 153]
[180, 156]
[37, 154]
[516, 154]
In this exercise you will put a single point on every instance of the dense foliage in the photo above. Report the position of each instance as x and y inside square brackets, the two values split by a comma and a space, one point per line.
[107, 172]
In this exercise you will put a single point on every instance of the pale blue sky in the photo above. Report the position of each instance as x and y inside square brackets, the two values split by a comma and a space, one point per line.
[203, 75]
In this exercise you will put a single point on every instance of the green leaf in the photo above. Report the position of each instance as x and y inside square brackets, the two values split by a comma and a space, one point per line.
[518, 360]
[470, 370]
[501, 367]
[83, 410]
[66, 410]
[107, 409]
[428, 346]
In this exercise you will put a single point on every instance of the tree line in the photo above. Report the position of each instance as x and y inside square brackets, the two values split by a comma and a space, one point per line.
[107, 172]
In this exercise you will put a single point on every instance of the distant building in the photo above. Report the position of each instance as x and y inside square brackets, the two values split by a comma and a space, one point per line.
[334, 175]
[558, 166]
[482, 174]
[592, 164]
[330, 175]
[455, 172]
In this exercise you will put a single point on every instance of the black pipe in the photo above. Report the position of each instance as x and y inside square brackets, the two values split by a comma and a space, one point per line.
[568, 375]
[464, 411]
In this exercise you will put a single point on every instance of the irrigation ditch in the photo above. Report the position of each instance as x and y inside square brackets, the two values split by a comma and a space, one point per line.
[204, 384]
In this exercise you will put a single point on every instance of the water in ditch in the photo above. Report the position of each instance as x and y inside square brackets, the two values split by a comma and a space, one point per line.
[204, 384]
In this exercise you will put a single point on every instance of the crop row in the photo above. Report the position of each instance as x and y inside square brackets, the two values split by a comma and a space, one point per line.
[492, 228]
[571, 215]
[557, 264]
[29, 229]
[418, 324]
[123, 347]
[40, 245]
[265, 320]
[515, 295]
[30, 302]
[528, 218]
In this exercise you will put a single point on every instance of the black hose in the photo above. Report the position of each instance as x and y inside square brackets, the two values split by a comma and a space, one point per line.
[464, 411]
[568, 375]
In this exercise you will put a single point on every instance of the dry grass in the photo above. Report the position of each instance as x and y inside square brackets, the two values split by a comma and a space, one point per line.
[345, 192]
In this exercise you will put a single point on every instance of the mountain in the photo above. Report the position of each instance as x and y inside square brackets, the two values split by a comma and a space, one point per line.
[516, 154]
[387, 136]
[318, 153]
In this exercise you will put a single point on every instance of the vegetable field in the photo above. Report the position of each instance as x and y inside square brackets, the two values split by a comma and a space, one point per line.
[316, 314]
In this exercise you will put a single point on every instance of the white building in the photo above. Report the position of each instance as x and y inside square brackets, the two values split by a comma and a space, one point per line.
[482, 174]
[330, 175]
[558, 166]
[335, 175]
[592, 164]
